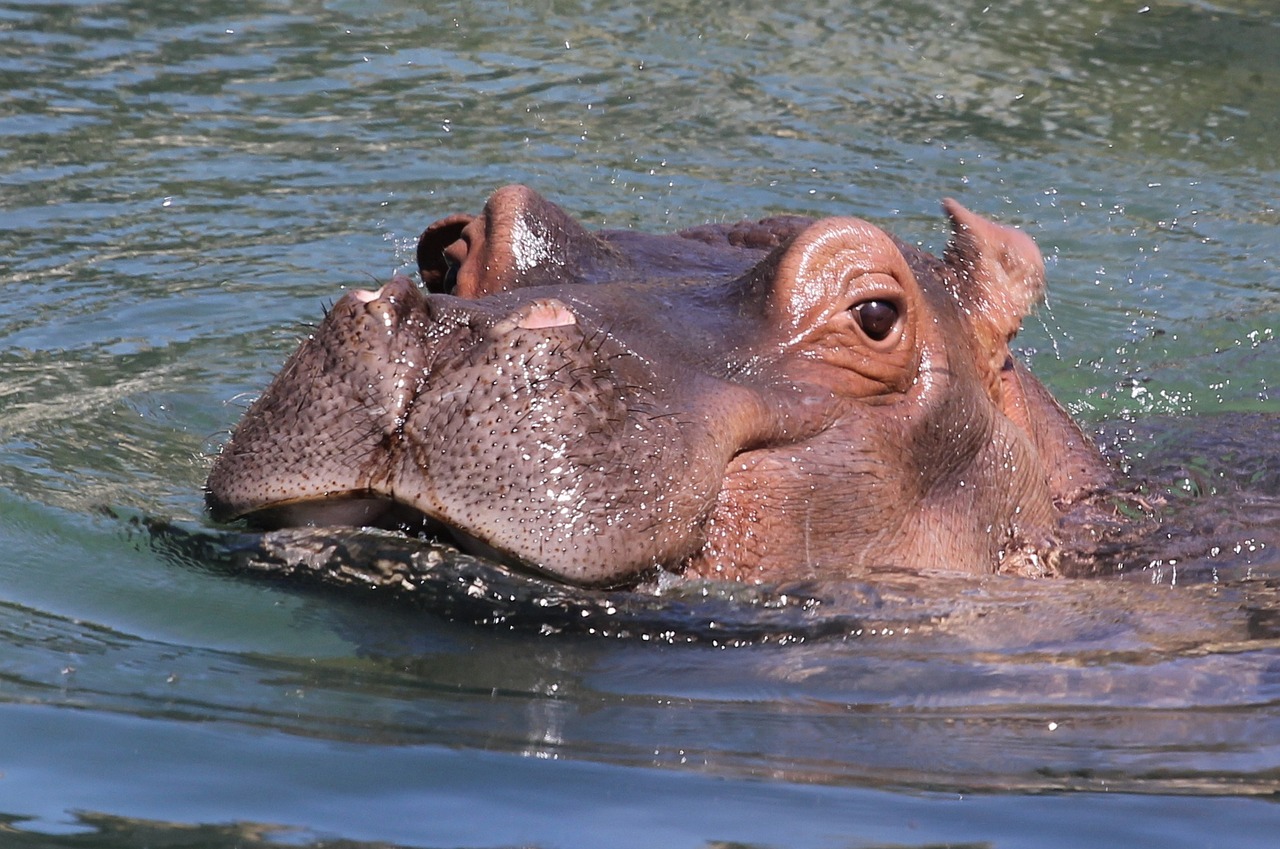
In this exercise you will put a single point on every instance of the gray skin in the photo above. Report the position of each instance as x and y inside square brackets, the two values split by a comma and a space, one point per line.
[762, 401]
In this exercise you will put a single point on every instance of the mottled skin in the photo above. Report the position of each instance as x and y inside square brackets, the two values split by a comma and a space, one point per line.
[759, 401]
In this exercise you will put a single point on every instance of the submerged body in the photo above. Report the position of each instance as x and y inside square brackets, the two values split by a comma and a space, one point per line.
[780, 399]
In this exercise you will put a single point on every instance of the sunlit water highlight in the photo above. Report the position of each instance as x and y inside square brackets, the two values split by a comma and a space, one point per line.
[185, 186]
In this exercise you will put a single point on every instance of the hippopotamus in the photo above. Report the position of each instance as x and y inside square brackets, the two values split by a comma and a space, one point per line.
[778, 399]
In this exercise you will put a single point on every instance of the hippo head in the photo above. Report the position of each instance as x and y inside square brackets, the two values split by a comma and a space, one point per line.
[764, 400]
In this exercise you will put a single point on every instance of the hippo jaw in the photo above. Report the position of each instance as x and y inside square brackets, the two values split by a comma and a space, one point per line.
[519, 431]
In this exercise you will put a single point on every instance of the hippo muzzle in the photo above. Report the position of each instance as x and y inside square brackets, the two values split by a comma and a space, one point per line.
[525, 433]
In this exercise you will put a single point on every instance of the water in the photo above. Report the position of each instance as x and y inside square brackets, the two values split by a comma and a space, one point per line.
[184, 186]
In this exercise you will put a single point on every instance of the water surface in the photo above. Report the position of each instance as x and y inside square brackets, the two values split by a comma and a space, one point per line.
[183, 187]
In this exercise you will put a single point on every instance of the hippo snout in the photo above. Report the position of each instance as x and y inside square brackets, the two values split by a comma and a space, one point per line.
[526, 432]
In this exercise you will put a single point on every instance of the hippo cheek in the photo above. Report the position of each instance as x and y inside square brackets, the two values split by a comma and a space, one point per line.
[792, 511]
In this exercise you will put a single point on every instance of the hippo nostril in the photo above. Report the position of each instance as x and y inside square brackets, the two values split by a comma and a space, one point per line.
[398, 290]
[540, 314]
[548, 313]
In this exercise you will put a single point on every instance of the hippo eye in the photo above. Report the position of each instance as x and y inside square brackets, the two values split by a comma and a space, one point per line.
[876, 318]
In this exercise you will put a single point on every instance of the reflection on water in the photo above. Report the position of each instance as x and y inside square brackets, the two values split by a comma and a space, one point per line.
[1149, 683]
[1078, 684]
[183, 188]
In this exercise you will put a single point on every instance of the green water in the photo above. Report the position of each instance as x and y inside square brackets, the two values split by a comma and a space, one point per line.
[183, 187]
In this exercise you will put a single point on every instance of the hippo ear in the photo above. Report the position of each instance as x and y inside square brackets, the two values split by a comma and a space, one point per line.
[521, 239]
[438, 271]
[1001, 275]
[1000, 270]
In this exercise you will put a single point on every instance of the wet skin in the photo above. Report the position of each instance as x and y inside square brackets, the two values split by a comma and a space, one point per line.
[761, 401]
